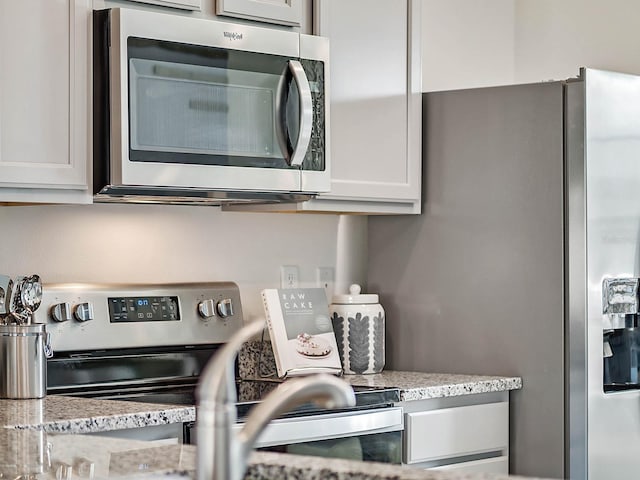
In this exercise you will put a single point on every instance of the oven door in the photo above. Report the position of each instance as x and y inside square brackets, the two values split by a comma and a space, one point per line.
[366, 435]
[201, 104]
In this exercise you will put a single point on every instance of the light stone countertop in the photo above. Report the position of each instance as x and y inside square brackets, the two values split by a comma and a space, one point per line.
[420, 386]
[116, 458]
[30, 442]
[256, 361]
[61, 414]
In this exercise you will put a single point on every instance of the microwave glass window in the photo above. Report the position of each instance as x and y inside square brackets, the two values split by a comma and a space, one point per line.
[204, 105]
[202, 110]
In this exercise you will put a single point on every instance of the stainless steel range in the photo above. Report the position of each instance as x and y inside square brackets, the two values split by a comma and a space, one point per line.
[143, 342]
[150, 343]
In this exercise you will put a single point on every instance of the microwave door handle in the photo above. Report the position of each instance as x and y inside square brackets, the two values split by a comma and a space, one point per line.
[306, 112]
[281, 117]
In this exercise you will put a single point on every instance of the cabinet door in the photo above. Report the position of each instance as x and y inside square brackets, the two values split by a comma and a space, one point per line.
[456, 432]
[487, 465]
[284, 12]
[44, 100]
[186, 4]
[376, 103]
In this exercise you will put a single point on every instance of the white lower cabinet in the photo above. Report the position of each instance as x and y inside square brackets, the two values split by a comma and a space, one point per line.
[465, 434]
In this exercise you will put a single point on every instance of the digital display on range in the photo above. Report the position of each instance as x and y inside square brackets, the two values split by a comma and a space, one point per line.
[143, 309]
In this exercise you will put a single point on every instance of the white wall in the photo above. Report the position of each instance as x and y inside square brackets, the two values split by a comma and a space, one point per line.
[467, 43]
[476, 43]
[151, 243]
[554, 38]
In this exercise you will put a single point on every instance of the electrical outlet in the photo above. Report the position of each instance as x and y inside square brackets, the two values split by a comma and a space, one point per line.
[289, 276]
[325, 278]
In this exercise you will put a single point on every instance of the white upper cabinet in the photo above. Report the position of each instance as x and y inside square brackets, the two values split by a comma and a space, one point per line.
[283, 12]
[45, 122]
[186, 4]
[376, 105]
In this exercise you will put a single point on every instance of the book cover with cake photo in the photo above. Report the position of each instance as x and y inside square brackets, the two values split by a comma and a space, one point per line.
[301, 332]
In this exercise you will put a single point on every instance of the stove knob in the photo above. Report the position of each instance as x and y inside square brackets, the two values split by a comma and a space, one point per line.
[83, 312]
[206, 309]
[61, 312]
[225, 308]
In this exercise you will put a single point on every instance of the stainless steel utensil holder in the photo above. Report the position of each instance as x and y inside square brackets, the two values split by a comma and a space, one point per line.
[23, 361]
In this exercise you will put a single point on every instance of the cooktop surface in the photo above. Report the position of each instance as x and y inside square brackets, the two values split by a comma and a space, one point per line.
[251, 392]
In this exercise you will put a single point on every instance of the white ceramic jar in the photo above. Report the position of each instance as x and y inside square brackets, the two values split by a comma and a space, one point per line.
[359, 325]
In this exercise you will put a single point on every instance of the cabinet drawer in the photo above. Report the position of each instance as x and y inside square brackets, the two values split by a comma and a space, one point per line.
[487, 465]
[457, 431]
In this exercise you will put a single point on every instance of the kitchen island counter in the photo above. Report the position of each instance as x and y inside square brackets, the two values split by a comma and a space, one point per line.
[117, 458]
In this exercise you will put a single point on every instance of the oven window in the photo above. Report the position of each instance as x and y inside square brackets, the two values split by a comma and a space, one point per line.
[378, 447]
[99, 373]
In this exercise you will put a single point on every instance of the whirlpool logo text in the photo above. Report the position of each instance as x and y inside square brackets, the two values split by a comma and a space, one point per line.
[233, 35]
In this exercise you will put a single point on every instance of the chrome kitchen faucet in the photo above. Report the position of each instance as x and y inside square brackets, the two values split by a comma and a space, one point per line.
[223, 454]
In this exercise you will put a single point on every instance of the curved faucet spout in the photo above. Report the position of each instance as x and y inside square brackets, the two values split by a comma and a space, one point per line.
[223, 454]
[216, 410]
[324, 390]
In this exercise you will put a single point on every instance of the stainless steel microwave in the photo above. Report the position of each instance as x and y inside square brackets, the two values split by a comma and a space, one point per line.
[191, 110]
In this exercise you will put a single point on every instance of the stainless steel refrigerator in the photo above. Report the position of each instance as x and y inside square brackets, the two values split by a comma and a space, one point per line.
[531, 210]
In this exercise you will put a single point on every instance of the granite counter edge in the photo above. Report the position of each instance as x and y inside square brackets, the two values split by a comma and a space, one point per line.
[501, 384]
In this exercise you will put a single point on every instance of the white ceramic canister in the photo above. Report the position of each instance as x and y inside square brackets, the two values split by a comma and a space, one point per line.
[359, 326]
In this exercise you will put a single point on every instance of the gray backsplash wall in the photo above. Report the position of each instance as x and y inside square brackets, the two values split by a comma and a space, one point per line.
[154, 243]
[476, 283]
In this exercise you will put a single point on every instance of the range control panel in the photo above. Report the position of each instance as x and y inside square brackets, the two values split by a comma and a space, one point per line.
[89, 317]
[143, 309]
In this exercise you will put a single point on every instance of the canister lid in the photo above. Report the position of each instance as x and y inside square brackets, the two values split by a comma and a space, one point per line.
[354, 296]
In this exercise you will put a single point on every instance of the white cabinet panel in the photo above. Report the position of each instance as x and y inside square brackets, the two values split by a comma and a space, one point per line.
[368, 90]
[487, 465]
[375, 126]
[457, 431]
[186, 4]
[284, 12]
[376, 105]
[44, 100]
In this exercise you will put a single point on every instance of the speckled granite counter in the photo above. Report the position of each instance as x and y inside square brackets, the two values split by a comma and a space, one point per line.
[255, 360]
[30, 440]
[58, 414]
[420, 386]
[116, 458]
[85, 415]
[31, 443]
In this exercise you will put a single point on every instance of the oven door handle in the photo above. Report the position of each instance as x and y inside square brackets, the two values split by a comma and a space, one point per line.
[329, 426]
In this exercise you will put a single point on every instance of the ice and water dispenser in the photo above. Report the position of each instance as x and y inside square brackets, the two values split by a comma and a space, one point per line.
[621, 334]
